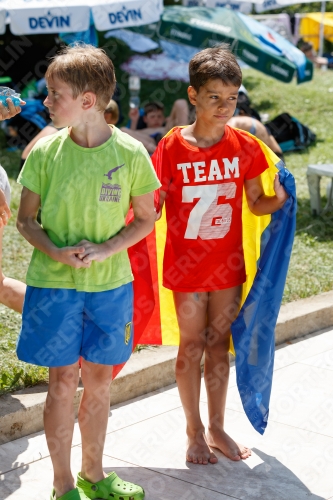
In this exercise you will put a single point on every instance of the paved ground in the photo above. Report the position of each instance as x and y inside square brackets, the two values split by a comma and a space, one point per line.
[146, 443]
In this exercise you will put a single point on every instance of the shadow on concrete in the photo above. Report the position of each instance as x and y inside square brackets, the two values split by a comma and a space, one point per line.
[269, 480]
[16, 418]
[11, 469]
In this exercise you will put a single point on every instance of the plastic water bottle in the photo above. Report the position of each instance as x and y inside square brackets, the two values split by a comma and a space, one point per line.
[6, 92]
[134, 85]
[134, 101]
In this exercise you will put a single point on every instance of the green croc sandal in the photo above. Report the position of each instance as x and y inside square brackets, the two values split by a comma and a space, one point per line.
[110, 488]
[71, 495]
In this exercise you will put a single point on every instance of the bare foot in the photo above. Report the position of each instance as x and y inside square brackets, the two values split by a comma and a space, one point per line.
[219, 439]
[198, 451]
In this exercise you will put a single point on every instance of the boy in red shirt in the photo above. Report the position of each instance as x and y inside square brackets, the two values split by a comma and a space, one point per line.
[203, 169]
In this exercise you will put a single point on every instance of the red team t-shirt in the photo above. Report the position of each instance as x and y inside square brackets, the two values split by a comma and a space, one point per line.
[204, 187]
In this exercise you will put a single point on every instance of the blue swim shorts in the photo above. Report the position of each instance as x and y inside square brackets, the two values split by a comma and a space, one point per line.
[59, 325]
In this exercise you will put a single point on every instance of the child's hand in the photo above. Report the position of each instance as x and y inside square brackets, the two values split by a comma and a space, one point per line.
[92, 251]
[280, 192]
[72, 256]
[5, 212]
[158, 214]
[10, 111]
[134, 114]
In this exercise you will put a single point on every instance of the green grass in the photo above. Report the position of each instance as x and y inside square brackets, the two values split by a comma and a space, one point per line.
[16, 256]
[13, 373]
[311, 268]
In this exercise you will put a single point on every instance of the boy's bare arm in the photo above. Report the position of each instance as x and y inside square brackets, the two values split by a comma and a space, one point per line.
[146, 140]
[48, 130]
[258, 202]
[153, 130]
[142, 225]
[37, 237]
[134, 115]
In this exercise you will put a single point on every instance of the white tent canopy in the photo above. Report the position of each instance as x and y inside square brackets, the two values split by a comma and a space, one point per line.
[29, 17]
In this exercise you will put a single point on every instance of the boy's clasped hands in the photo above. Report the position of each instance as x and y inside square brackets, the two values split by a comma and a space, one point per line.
[82, 254]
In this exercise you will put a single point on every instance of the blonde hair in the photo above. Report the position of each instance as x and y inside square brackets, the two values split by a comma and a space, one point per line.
[113, 109]
[85, 68]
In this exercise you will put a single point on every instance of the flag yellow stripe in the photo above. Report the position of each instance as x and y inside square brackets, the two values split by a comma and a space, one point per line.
[169, 326]
[253, 226]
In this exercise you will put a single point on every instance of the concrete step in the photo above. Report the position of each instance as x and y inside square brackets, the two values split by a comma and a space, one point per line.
[21, 412]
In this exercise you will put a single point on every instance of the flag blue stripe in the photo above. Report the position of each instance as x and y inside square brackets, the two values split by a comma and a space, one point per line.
[253, 330]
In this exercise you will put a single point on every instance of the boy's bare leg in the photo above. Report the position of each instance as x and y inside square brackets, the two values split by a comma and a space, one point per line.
[179, 115]
[59, 424]
[93, 418]
[223, 306]
[191, 313]
[12, 291]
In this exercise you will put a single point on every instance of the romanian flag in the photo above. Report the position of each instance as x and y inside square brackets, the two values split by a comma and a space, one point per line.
[267, 243]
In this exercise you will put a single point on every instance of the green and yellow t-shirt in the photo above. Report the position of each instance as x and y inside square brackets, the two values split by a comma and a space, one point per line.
[85, 194]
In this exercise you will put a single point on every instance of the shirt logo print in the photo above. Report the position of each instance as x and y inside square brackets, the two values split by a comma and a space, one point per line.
[111, 192]
[112, 171]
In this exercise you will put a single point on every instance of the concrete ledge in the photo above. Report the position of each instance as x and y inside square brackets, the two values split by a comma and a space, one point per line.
[305, 316]
[21, 413]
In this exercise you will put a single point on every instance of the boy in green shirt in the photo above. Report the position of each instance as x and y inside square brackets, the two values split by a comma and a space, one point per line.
[79, 297]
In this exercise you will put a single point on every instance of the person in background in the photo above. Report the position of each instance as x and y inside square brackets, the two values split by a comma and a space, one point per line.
[111, 113]
[255, 127]
[243, 107]
[154, 118]
[11, 291]
[319, 61]
[48, 130]
[153, 125]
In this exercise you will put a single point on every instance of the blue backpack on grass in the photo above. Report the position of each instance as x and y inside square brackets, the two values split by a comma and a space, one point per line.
[290, 133]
